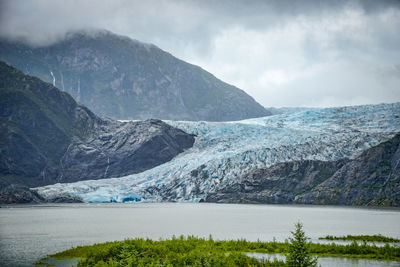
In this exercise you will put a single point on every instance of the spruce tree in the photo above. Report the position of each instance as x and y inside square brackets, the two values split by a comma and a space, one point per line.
[299, 249]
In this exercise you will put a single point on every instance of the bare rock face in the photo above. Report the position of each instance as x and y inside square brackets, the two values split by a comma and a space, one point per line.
[278, 184]
[16, 193]
[46, 138]
[372, 179]
[120, 148]
[123, 78]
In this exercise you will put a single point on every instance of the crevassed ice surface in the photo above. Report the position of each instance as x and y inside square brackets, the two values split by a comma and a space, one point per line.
[224, 151]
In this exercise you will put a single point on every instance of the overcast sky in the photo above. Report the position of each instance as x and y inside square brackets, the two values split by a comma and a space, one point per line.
[283, 53]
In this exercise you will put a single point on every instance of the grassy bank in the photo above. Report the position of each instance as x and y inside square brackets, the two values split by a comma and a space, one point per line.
[193, 251]
[366, 238]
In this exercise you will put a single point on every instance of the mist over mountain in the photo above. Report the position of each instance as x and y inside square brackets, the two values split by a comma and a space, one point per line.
[122, 78]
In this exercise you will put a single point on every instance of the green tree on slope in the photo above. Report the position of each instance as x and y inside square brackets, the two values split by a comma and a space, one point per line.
[299, 249]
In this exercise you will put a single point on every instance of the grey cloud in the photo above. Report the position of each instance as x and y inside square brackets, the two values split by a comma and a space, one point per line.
[326, 35]
[44, 21]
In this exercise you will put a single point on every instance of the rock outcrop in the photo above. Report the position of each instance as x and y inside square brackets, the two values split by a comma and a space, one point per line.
[278, 184]
[117, 149]
[16, 193]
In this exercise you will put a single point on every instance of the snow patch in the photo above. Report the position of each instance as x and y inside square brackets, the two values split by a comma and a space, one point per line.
[54, 78]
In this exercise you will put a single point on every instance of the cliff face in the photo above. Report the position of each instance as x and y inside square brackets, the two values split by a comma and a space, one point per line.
[122, 78]
[373, 178]
[46, 137]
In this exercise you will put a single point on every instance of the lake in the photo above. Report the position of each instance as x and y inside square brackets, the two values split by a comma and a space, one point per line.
[30, 232]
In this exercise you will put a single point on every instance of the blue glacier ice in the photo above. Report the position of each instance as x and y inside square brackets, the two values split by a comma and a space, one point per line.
[224, 151]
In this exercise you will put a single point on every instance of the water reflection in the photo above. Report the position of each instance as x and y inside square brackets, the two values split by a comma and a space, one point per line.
[332, 261]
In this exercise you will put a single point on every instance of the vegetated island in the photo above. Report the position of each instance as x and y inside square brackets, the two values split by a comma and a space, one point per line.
[195, 251]
[366, 238]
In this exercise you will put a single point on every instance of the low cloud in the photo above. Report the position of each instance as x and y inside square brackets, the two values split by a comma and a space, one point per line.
[283, 53]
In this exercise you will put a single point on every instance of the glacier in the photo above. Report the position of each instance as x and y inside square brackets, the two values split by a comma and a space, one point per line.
[225, 151]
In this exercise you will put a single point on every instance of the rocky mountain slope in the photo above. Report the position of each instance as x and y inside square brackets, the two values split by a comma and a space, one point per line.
[278, 184]
[272, 159]
[373, 178]
[46, 137]
[122, 78]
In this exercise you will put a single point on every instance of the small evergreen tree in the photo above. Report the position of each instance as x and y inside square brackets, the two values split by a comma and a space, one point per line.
[299, 249]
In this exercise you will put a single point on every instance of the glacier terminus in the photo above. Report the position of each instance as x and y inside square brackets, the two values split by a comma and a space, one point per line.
[225, 151]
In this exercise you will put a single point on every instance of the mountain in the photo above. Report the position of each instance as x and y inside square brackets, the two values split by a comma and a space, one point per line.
[123, 78]
[270, 160]
[46, 137]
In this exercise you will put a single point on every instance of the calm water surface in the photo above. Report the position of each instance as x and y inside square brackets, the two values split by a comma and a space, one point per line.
[30, 232]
